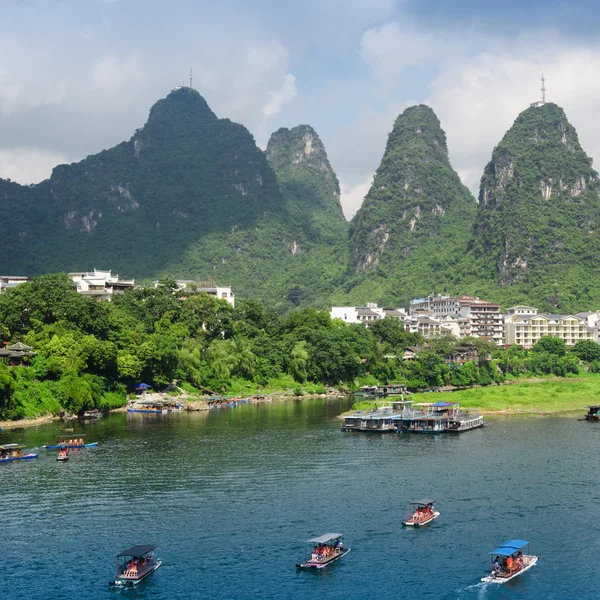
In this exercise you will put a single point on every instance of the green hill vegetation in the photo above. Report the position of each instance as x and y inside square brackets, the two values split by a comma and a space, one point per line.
[537, 232]
[415, 222]
[89, 354]
[191, 196]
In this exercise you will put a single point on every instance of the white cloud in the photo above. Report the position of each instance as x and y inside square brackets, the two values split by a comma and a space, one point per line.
[28, 165]
[479, 98]
[111, 72]
[393, 47]
[352, 196]
[281, 96]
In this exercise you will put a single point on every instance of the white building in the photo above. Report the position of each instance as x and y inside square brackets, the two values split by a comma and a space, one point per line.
[476, 317]
[8, 282]
[366, 314]
[192, 286]
[527, 329]
[101, 285]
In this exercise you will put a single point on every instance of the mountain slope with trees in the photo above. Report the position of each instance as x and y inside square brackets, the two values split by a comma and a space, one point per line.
[416, 220]
[537, 233]
[189, 196]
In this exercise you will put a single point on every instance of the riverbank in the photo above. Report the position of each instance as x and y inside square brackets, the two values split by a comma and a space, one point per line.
[518, 397]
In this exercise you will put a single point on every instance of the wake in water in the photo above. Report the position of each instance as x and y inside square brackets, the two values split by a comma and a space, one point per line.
[477, 590]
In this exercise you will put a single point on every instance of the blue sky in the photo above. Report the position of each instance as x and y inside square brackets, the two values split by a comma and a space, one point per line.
[77, 76]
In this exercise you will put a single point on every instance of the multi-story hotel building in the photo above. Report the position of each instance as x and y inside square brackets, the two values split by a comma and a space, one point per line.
[525, 329]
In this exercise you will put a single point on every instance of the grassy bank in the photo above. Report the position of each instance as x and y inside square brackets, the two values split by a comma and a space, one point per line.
[552, 396]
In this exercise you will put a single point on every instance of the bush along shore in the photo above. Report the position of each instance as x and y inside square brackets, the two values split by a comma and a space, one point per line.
[90, 354]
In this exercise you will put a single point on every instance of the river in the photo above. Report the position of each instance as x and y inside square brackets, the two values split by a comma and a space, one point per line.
[230, 495]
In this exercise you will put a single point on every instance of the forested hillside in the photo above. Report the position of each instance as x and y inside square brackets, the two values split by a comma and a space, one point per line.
[537, 233]
[190, 196]
[415, 222]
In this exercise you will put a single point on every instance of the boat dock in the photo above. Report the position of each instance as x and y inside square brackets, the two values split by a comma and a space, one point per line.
[404, 417]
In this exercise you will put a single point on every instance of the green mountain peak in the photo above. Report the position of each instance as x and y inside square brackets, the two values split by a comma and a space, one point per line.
[307, 182]
[417, 215]
[538, 220]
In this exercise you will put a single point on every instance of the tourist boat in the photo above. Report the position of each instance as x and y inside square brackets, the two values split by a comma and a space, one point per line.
[592, 414]
[63, 455]
[510, 560]
[420, 513]
[155, 408]
[464, 422]
[70, 441]
[91, 414]
[134, 565]
[385, 418]
[14, 452]
[322, 551]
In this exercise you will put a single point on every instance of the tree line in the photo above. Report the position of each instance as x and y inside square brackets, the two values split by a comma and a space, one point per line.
[90, 354]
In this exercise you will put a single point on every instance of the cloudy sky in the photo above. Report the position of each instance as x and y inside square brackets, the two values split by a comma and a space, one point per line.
[78, 76]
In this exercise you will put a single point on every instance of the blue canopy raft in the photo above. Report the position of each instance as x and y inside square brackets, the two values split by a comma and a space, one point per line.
[71, 441]
[14, 452]
[510, 560]
[322, 550]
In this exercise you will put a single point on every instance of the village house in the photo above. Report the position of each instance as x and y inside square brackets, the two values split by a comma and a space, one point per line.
[8, 282]
[101, 285]
[366, 314]
[195, 286]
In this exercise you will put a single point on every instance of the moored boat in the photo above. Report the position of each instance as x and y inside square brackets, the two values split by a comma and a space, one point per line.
[464, 422]
[70, 441]
[510, 560]
[14, 452]
[322, 551]
[135, 564]
[592, 414]
[149, 407]
[91, 414]
[420, 513]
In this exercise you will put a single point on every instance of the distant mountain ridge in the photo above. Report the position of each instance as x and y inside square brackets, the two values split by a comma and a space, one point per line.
[191, 195]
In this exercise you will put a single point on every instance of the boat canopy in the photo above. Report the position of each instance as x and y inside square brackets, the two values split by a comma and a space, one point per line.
[440, 403]
[71, 435]
[424, 502]
[326, 537]
[510, 547]
[138, 550]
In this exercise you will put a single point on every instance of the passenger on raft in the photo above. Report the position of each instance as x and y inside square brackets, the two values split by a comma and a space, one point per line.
[423, 513]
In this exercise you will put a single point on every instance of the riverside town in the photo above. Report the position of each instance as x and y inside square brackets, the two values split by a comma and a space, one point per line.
[300, 300]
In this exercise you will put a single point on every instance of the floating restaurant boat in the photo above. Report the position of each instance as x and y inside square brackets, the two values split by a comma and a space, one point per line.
[592, 414]
[382, 419]
[14, 452]
[70, 441]
[322, 551]
[420, 513]
[134, 565]
[510, 560]
[464, 422]
[369, 392]
[433, 418]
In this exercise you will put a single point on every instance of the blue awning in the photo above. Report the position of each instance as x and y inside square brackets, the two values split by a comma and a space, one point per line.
[440, 403]
[509, 547]
[142, 386]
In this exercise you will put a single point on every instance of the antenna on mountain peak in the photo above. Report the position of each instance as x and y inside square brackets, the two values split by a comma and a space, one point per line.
[191, 78]
[543, 89]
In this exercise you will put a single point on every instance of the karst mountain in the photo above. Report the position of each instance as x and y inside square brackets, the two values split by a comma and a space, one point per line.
[192, 196]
